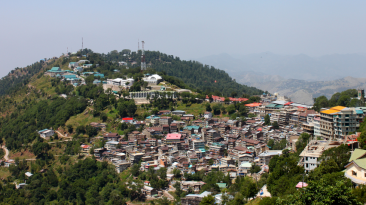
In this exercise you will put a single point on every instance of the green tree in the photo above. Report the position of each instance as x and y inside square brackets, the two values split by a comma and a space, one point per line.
[275, 125]
[70, 129]
[255, 168]
[231, 109]
[208, 107]
[267, 120]
[208, 200]
[319, 192]
[360, 193]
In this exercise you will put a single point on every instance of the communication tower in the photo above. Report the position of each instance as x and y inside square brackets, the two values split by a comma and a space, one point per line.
[143, 63]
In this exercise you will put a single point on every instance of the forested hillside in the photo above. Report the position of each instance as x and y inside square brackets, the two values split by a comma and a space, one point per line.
[19, 77]
[347, 98]
[202, 77]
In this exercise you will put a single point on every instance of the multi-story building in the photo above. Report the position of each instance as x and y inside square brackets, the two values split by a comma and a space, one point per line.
[266, 156]
[326, 122]
[346, 121]
[197, 144]
[339, 121]
[316, 122]
[211, 134]
[313, 151]
[165, 121]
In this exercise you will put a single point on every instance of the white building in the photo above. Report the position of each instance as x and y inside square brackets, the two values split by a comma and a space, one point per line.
[120, 82]
[207, 115]
[111, 145]
[153, 79]
[73, 64]
[46, 133]
[122, 63]
[267, 155]
[244, 168]
[313, 151]
[316, 122]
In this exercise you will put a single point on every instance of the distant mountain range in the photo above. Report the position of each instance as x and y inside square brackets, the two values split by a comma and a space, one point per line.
[299, 77]
[301, 67]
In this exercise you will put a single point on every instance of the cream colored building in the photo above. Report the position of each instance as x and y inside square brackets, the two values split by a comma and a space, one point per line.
[356, 169]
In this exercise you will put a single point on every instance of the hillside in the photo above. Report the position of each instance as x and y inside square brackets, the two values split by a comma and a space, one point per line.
[196, 75]
[304, 91]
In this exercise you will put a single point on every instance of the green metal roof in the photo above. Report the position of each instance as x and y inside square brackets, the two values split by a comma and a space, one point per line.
[359, 157]
[271, 105]
[221, 185]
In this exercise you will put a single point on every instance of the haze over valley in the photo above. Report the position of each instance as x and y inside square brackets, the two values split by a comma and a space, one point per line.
[299, 77]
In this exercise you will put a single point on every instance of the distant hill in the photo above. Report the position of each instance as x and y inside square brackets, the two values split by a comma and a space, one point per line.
[304, 91]
[301, 67]
[299, 77]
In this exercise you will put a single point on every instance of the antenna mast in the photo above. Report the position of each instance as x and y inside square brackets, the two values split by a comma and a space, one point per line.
[143, 63]
[82, 43]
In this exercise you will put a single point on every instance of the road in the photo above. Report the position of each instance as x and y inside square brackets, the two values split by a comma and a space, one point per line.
[6, 157]
[169, 196]
[61, 135]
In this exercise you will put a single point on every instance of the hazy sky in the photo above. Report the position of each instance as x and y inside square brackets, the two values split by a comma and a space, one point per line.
[31, 30]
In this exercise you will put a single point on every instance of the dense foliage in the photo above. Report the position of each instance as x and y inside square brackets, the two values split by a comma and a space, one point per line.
[86, 182]
[21, 127]
[195, 75]
[18, 78]
[346, 98]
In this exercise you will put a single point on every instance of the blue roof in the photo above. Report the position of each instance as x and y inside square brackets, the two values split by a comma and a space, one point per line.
[55, 69]
[42, 130]
[69, 76]
[99, 75]
[191, 127]
[359, 112]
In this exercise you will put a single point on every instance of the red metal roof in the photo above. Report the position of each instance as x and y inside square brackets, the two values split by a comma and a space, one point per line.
[127, 118]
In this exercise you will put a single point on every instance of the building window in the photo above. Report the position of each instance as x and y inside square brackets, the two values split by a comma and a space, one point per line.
[354, 173]
[306, 158]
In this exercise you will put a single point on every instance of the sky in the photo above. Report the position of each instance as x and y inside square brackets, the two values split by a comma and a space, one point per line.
[32, 30]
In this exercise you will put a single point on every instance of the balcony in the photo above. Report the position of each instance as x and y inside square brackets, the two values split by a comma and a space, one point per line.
[355, 179]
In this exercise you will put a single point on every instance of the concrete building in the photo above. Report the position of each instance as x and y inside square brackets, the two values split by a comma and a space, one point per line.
[46, 133]
[111, 145]
[339, 121]
[153, 79]
[165, 121]
[207, 115]
[194, 199]
[313, 151]
[316, 122]
[152, 94]
[266, 156]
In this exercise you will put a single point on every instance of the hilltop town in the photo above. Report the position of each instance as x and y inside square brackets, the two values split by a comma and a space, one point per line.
[164, 141]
